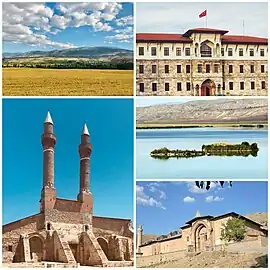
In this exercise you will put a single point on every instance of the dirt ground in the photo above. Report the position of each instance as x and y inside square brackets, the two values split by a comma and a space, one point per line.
[218, 260]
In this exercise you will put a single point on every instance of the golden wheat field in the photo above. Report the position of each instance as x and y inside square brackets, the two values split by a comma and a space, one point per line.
[67, 82]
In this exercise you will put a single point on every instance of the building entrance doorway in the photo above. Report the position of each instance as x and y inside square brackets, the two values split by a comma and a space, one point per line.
[208, 88]
[201, 238]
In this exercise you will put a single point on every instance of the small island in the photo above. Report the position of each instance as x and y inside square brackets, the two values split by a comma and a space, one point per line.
[217, 149]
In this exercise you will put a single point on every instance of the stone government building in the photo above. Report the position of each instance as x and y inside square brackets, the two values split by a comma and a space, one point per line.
[202, 233]
[65, 231]
[201, 62]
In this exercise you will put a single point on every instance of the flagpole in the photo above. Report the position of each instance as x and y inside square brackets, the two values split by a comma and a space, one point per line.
[206, 18]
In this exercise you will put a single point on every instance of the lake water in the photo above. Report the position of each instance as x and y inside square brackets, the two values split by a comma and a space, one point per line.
[200, 167]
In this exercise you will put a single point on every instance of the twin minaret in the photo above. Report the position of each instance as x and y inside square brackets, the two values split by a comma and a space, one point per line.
[48, 193]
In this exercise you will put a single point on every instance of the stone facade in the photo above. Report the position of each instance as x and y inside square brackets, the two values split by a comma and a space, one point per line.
[201, 62]
[203, 233]
[65, 231]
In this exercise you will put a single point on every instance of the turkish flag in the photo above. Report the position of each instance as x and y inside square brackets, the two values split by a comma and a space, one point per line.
[202, 14]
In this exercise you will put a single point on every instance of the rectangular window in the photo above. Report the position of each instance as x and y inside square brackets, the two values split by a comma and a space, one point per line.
[223, 85]
[166, 68]
[187, 51]
[154, 68]
[251, 52]
[230, 68]
[178, 51]
[167, 86]
[166, 51]
[262, 52]
[222, 51]
[252, 69]
[179, 69]
[242, 85]
[187, 68]
[207, 68]
[241, 52]
[252, 85]
[263, 84]
[241, 68]
[179, 86]
[188, 86]
[216, 68]
[262, 68]
[10, 248]
[141, 87]
[141, 50]
[154, 87]
[223, 68]
[230, 52]
[199, 68]
[231, 85]
[153, 51]
[141, 69]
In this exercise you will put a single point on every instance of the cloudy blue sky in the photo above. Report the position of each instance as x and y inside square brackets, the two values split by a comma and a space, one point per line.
[163, 207]
[179, 17]
[47, 26]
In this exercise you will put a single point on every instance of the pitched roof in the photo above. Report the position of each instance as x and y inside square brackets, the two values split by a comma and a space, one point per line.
[233, 39]
[233, 214]
[184, 38]
[204, 30]
[158, 37]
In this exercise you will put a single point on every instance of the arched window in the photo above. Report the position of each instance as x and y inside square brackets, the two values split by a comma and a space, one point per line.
[206, 51]
[86, 228]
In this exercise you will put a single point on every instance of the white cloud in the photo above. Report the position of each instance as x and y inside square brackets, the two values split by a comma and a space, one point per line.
[153, 188]
[124, 21]
[30, 23]
[211, 198]
[194, 189]
[189, 199]
[143, 199]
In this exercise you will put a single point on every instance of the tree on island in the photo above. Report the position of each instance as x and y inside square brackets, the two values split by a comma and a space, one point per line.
[207, 184]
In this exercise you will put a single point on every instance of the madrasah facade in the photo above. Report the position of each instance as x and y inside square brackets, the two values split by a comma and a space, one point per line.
[201, 62]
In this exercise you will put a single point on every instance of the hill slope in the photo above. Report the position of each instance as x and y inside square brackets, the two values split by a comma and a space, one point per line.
[220, 110]
[87, 52]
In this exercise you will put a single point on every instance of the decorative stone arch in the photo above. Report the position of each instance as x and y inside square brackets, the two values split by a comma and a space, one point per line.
[36, 245]
[208, 88]
[103, 242]
[206, 48]
[201, 235]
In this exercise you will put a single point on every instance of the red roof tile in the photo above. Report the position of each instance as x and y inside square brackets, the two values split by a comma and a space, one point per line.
[148, 37]
[225, 39]
[204, 30]
[230, 39]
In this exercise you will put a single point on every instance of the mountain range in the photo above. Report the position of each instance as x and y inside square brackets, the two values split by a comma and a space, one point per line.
[207, 111]
[81, 52]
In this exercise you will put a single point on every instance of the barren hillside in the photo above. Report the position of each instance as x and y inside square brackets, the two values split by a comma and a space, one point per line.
[208, 111]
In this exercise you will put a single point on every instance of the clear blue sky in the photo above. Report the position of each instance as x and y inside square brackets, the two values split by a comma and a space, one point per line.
[163, 207]
[111, 168]
[48, 26]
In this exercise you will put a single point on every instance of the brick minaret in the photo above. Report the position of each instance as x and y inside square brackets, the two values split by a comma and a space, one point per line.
[48, 140]
[85, 149]
[139, 239]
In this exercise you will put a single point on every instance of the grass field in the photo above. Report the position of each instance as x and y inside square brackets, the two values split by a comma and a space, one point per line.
[67, 82]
